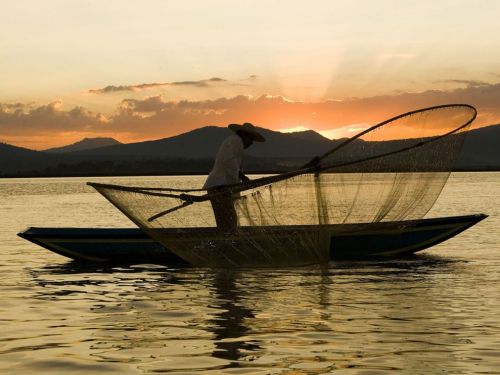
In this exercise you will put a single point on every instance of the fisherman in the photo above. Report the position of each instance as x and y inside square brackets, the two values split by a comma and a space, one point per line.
[227, 171]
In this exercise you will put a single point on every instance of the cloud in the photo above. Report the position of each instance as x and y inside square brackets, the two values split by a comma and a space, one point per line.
[467, 83]
[278, 112]
[149, 104]
[146, 86]
[18, 119]
[154, 117]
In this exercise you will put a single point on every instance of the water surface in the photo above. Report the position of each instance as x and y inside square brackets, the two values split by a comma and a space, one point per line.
[437, 312]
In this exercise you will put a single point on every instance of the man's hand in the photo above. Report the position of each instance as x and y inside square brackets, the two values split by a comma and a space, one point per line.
[186, 198]
[244, 178]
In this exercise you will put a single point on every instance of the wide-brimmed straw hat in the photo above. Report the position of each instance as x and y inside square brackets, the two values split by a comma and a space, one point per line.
[248, 128]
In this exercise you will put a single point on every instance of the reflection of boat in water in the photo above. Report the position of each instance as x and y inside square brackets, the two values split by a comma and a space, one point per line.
[122, 245]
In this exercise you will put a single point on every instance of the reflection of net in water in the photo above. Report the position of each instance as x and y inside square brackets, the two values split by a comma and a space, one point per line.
[284, 219]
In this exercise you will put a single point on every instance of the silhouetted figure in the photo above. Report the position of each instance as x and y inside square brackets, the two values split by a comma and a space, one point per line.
[227, 171]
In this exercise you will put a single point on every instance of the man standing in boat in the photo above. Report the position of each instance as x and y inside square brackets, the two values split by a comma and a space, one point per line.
[227, 171]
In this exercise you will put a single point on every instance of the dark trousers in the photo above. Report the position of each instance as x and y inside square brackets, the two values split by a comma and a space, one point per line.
[224, 212]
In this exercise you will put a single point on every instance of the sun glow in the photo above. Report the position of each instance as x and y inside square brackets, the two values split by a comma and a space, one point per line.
[294, 129]
[343, 132]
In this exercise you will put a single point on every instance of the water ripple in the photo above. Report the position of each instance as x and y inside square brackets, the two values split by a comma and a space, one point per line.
[433, 313]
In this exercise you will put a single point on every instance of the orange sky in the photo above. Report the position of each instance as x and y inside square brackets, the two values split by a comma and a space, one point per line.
[49, 125]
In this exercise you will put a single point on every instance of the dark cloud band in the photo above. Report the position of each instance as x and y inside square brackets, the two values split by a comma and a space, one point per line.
[146, 86]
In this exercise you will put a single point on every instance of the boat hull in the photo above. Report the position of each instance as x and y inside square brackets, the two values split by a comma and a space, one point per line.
[347, 241]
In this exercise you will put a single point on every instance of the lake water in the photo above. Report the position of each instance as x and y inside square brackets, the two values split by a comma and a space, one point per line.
[435, 313]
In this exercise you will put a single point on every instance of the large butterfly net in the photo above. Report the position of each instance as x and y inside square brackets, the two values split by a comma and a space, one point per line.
[392, 171]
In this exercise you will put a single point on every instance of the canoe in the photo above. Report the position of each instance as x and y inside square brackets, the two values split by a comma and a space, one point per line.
[347, 241]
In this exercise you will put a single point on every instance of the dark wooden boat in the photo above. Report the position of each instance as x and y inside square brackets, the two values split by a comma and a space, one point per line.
[347, 241]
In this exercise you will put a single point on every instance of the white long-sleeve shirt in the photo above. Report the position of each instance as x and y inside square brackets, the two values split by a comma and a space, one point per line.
[227, 165]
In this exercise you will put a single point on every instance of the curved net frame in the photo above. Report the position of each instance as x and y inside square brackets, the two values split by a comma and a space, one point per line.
[393, 171]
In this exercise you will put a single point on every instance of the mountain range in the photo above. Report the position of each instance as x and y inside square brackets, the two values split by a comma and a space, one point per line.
[85, 144]
[194, 151]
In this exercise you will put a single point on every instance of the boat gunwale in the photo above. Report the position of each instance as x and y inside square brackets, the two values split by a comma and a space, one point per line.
[137, 233]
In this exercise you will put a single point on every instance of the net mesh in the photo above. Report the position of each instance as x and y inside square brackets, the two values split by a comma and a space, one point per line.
[392, 171]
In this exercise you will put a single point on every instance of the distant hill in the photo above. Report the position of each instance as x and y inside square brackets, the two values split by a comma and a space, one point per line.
[194, 151]
[204, 143]
[14, 159]
[85, 144]
[198, 143]
[481, 149]
[309, 135]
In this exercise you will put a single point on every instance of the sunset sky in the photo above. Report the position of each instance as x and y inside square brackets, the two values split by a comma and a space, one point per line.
[139, 70]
